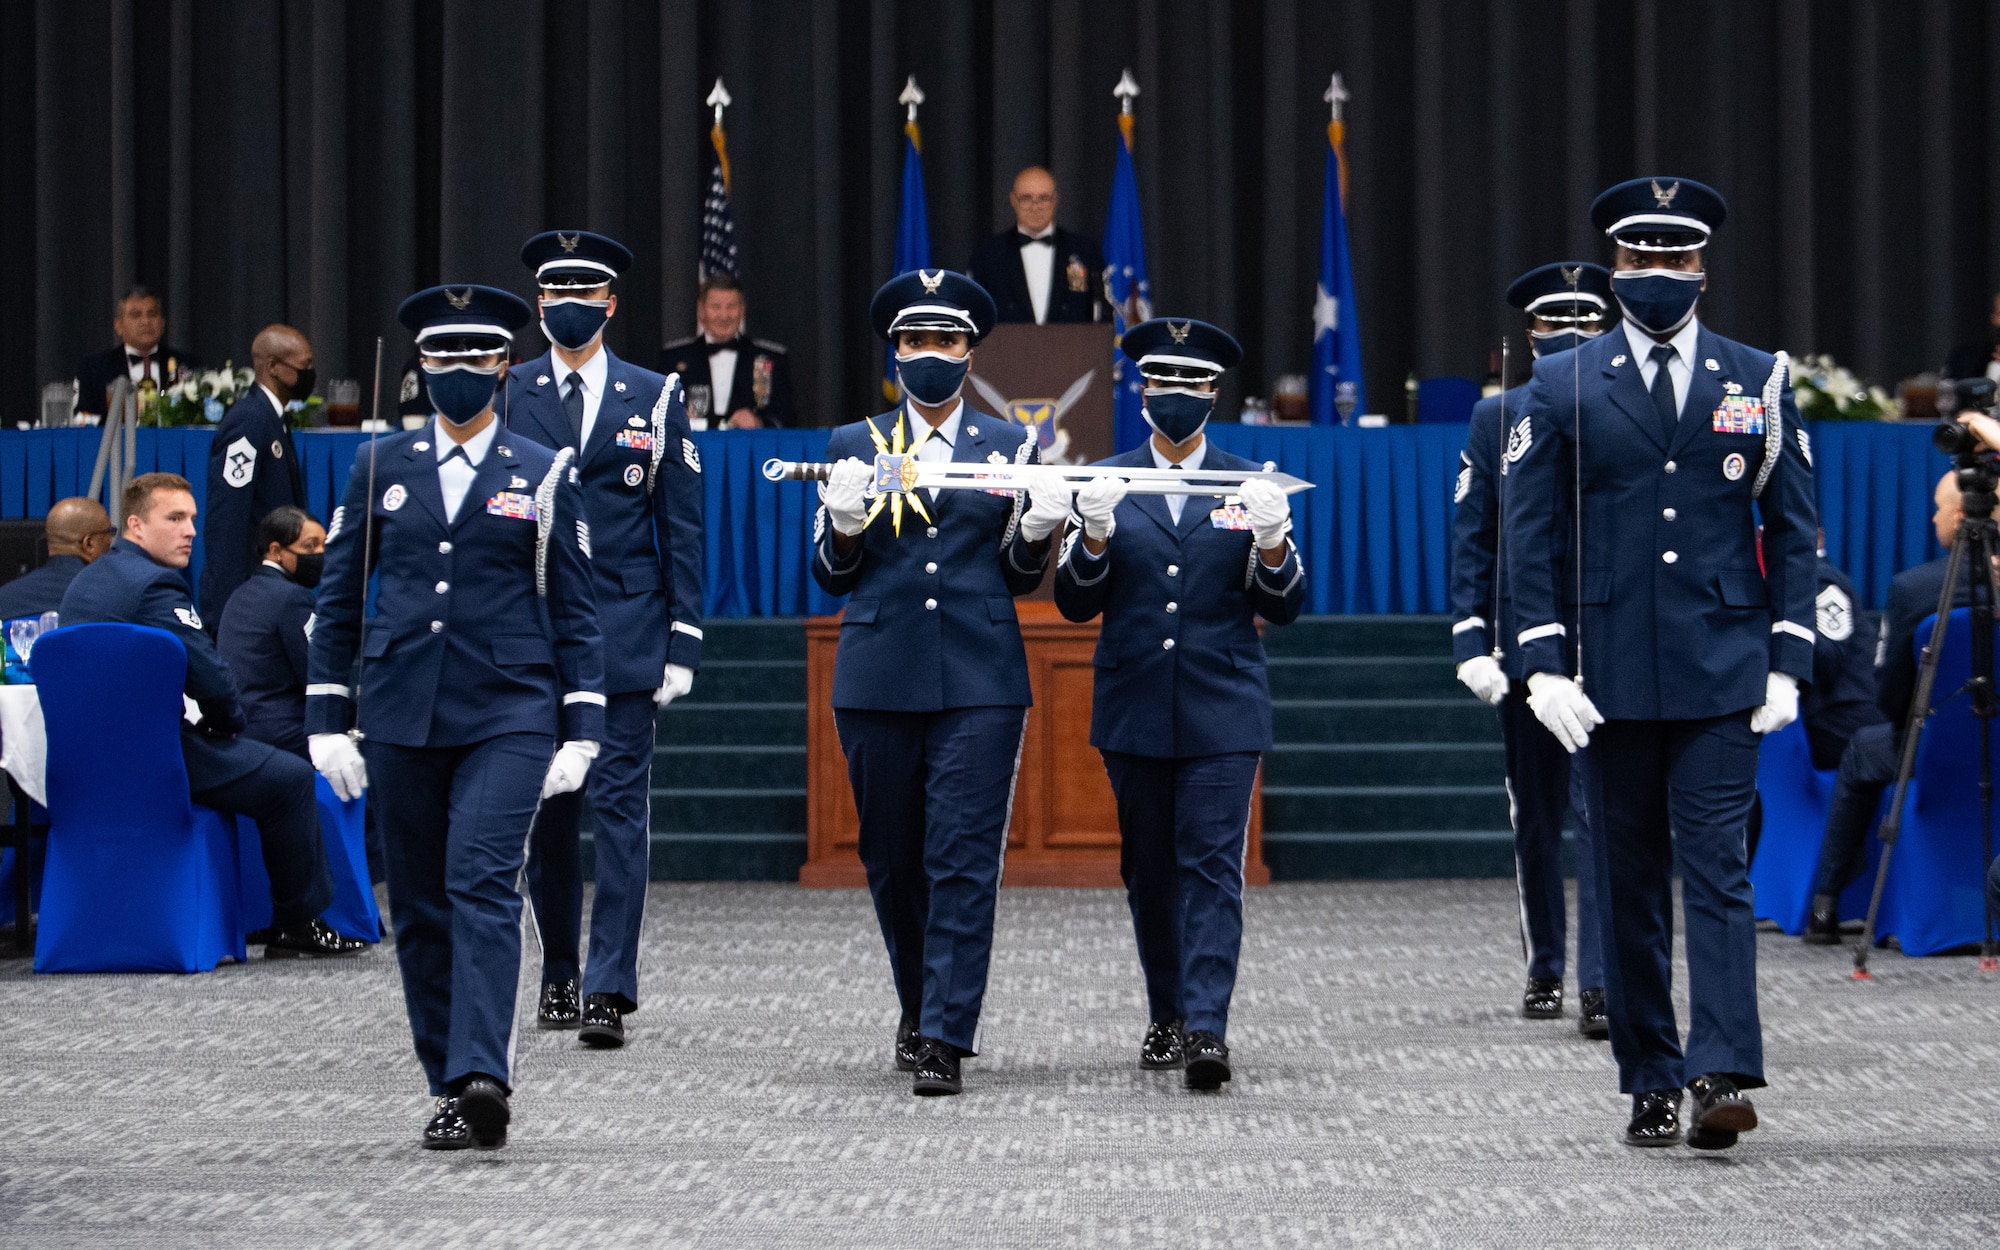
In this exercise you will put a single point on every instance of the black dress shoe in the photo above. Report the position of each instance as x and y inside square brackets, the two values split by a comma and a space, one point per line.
[258, 937]
[1207, 1060]
[906, 1044]
[1721, 1112]
[447, 1129]
[559, 1008]
[1656, 1119]
[1542, 1000]
[1823, 923]
[1591, 1021]
[603, 1024]
[482, 1104]
[1163, 1047]
[310, 942]
[937, 1069]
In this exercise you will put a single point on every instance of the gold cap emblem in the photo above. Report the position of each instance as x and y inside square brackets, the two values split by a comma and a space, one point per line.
[460, 301]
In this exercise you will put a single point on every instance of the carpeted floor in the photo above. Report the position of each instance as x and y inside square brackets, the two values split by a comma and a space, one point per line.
[1386, 1094]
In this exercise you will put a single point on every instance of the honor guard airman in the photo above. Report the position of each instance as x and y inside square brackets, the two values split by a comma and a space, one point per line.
[481, 689]
[1565, 304]
[1181, 701]
[627, 429]
[1658, 446]
[930, 681]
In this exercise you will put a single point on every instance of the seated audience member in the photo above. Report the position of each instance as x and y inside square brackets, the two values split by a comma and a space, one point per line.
[141, 326]
[732, 380]
[265, 625]
[78, 532]
[1868, 764]
[140, 582]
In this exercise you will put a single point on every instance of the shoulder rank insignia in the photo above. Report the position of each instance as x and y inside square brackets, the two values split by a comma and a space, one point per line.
[1519, 440]
[188, 617]
[1833, 613]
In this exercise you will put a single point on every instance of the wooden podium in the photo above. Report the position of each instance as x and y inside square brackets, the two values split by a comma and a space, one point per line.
[1065, 829]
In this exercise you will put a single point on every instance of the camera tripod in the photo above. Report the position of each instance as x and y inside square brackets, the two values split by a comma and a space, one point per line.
[1973, 552]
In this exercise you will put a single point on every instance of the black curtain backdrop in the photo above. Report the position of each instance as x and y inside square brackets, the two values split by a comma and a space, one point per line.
[313, 161]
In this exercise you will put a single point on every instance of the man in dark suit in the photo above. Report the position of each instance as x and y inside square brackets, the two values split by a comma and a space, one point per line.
[1181, 697]
[78, 532]
[1039, 272]
[141, 325]
[641, 481]
[139, 582]
[267, 624]
[732, 380]
[252, 465]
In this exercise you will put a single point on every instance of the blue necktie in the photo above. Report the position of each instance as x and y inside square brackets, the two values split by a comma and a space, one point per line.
[1663, 392]
[573, 405]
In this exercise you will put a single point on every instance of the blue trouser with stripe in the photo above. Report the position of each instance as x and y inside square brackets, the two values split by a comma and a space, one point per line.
[1541, 787]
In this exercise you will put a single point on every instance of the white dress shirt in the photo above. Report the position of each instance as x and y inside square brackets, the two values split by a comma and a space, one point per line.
[1680, 369]
[146, 366]
[938, 447]
[721, 379]
[455, 476]
[594, 371]
[1177, 502]
[1038, 264]
[282, 416]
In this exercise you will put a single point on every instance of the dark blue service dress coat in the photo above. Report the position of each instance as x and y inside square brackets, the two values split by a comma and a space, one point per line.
[253, 468]
[264, 634]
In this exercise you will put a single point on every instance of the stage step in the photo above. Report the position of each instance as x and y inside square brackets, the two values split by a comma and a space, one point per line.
[1383, 765]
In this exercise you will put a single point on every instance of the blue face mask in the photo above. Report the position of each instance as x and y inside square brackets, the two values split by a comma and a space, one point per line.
[932, 378]
[460, 393]
[1658, 301]
[1549, 342]
[572, 323]
[1177, 412]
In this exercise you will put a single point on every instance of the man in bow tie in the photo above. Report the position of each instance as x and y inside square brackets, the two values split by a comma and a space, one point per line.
[732, 380]
[1039, 271]
[141, 355]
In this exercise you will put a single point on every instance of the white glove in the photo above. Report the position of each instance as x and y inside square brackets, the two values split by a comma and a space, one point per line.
[846, 497]
[678, 681]
[1563, 709]
[1048, 505]
[1482, 676]
[1097, 502]
[1781, 704]
[1270, 512]
[567, 769]
[339, 761]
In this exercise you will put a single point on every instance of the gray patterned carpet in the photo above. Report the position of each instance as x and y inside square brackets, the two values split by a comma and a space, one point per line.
[1385, 1095]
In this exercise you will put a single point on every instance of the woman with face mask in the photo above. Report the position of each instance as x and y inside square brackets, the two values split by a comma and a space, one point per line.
[265, 627]
[482, 688]
[1181, 709]
[930, 684]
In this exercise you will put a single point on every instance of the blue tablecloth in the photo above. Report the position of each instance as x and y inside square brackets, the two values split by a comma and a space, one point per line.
[1375, 532]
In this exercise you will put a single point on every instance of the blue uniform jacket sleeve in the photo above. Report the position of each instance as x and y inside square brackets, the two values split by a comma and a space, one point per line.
[677, 531]
[229, 513]
[1474, 534]
[1025, 562]
[1538, 505]
[293, 622]
[1083, 580]
[1276, 594]
[165, 605]
[836, 574]
[572, 607]
[337, 612]
[1791, 543]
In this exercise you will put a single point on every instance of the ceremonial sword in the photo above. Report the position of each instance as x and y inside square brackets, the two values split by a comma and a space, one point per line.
[901, 474]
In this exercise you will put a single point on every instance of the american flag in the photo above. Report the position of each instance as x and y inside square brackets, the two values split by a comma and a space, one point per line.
[718, 231]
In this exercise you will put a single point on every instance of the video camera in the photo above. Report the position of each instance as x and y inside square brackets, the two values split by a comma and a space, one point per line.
[1977, 466]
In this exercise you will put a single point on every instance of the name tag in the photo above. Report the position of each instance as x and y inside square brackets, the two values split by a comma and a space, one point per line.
[1740, 414]
[1231, 516]
[637, 440]
[512, 504]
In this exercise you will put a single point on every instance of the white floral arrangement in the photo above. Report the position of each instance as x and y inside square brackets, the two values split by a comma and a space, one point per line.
[1828, 391]
[203, 395]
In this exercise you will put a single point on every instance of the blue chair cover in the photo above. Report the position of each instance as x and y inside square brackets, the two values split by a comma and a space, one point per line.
[353, 912]
[40, 837]
[138, 879]
[1934, 900]
[1795, 796]
[1446, 401]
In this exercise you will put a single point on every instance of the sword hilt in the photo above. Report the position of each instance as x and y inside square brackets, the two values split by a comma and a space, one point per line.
[776, 470]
